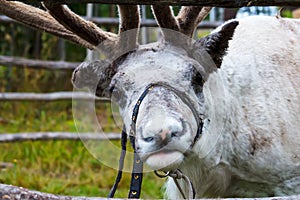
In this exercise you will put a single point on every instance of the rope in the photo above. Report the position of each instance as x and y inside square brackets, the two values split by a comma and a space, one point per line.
[177, 174]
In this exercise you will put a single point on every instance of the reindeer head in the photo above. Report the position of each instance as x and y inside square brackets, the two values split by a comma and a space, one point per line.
[172, 71]
[165, 81]
[159, 86]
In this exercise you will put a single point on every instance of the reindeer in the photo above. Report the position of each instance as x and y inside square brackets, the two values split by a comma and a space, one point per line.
[224, 110]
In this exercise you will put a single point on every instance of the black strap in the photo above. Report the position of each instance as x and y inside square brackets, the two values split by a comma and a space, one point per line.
[121, 163]
[136, 110]
[186, 100]
[136, 175]
[137, 171]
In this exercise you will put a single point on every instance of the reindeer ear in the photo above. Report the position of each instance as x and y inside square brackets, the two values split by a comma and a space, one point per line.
[216, 43]
[94, 75]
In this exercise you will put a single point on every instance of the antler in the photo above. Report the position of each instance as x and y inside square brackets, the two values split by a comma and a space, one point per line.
[71, 21]
[165, 17]
[186, 21]
[39, 19]
[189, 17]
[129, 20]
[61, 21]
[130, 17]
[203, 13]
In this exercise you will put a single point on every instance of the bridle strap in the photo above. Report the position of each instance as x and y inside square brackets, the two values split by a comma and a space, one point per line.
[136, 108]
[137, 171]
[136, 178]
[136, 175]
[180, 94]
[121, 163]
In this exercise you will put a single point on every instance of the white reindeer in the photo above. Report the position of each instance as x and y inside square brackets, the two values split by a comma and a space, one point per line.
[232, 125]
[250, 141]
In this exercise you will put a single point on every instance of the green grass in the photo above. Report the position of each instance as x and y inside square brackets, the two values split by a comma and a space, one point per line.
[59, 167]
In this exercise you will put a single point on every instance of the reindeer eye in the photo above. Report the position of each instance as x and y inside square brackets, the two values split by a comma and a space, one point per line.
[148, 139]
[197, 82]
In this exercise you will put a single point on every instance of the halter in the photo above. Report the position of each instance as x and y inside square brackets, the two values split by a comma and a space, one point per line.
[186, 100]
[137, 171]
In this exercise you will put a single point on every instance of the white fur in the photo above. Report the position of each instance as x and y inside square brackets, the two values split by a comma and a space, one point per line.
[250, 145]
[252, 148]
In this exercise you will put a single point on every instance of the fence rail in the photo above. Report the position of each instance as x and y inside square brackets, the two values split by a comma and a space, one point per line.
[110, 21]
[215, 3]
[44, 136]
[55, 96]
[13, 192]
[39, 64]
[9, 192]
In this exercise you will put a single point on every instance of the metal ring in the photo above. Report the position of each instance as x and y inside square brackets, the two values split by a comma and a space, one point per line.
[161, 175]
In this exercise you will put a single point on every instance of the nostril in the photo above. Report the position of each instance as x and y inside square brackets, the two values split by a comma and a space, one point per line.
[148, 139]
[175, 134]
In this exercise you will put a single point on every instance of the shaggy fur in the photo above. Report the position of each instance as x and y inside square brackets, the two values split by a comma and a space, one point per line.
[250, 107]
[216, 43]
[257, 148]
[244, 82]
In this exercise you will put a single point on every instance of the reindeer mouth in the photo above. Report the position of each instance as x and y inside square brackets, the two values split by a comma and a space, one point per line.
[163, 159]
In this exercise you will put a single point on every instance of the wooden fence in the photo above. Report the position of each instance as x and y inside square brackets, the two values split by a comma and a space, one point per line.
[64, 65]
[215, 3]
[109, 21]
[12, 192]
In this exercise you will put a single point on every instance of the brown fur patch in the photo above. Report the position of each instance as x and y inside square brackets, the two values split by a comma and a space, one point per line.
[258, 143]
